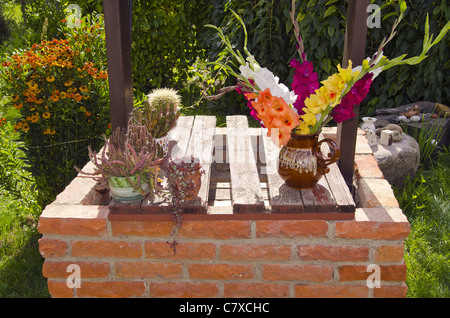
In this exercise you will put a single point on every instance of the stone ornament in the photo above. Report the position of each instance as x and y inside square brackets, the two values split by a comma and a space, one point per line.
[397, 132]
[386, 138]
[371, 137]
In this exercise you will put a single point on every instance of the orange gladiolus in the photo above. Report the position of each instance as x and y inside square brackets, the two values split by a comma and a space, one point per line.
[265, 97]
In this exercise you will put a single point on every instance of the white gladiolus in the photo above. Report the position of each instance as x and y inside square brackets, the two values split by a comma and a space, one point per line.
[265, 79]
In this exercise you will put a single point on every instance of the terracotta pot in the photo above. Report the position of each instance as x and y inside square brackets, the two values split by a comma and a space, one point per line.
[194, 180]
[301, 163]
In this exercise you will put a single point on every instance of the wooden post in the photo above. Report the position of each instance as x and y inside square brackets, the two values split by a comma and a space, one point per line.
[354, 50]
[118, 53]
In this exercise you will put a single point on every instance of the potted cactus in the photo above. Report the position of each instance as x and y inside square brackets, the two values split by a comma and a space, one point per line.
[128, 163]
[159, 113]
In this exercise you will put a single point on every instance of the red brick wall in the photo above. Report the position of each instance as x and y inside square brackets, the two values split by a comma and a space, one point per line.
[230, 258]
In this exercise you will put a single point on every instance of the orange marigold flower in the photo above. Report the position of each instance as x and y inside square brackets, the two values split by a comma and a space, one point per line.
[18, 106]
[88, 113]
[46, 115]
[63, 95]
[68, 83]
[15, 98]
[25, 127]
[54, 98]
[50, 79]
[84, 89]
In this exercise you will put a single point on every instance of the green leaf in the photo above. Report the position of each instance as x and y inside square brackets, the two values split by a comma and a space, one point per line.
[330, 11]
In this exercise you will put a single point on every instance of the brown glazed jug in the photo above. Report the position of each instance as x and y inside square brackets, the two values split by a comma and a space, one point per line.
[301, 163]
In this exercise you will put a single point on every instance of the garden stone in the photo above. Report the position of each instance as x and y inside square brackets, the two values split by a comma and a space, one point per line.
[399, 160]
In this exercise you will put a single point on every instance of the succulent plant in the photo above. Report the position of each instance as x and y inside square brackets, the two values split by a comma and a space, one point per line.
[159, 112]
[131, 153]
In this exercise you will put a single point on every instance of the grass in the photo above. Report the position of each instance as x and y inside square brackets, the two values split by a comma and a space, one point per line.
[425, 201]
[20, 261]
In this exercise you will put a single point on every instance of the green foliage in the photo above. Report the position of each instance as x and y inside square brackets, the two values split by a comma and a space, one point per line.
[14, 177]
[60, 90]
[428, 137]
[164, 41]
[408, 84]
[20, 261]
[43, 16]
[425, 202]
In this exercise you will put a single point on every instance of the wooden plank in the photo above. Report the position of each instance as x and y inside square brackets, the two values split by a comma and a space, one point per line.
[341, 192]
[282, 198]
[180, 136]
[245, 185]
[337, 184]
[201, 148]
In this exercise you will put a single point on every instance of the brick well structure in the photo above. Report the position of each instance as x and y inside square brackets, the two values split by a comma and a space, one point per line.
[228, 257]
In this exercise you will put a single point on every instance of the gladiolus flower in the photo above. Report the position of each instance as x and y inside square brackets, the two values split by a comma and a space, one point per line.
[305, 82]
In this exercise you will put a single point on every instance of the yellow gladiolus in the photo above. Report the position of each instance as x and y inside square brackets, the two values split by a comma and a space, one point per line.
[309, 118]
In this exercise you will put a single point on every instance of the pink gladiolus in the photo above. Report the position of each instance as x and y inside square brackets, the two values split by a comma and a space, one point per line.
[305, 82]
[355, 96]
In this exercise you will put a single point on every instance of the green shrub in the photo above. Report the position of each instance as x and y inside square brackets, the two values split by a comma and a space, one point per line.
[20, 261]
[60, 90]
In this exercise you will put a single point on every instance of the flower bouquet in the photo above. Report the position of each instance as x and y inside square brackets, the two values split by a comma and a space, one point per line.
[311, 104]
[294, 118]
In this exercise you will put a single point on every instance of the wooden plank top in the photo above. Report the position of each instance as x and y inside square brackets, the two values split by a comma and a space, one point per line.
[247, 185]
[246, 195]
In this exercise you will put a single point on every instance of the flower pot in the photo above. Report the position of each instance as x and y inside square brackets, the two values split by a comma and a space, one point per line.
[301, 163]
[164, 143]
[122, 191]
[187, 186]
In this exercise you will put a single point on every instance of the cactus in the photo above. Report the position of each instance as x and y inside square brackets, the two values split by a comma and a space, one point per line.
[159, 112]
[128, 152]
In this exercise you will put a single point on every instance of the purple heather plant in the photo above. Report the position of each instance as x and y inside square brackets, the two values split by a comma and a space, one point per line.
[128, 152]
